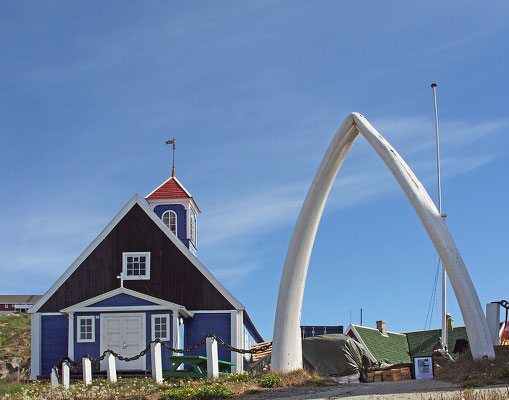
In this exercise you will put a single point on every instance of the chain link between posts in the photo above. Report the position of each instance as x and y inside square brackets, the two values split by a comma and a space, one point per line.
[74, 364]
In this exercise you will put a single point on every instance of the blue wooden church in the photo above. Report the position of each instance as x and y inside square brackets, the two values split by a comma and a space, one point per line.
[139, 280]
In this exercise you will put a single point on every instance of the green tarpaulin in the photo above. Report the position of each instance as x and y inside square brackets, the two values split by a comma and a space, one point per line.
[337, 355]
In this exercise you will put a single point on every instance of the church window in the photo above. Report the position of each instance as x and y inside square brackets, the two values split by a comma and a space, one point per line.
[161, 327]
[86, 329]
[136, 265]
[193, 230]
[170, 220]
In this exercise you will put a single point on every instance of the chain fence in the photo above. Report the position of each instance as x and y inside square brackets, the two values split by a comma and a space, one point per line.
[74, 364]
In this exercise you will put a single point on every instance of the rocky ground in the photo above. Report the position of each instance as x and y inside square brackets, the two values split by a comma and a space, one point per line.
[14, 346]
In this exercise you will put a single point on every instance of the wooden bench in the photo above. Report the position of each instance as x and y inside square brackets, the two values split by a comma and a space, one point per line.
[198, 366]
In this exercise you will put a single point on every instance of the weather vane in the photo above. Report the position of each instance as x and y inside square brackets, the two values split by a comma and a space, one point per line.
[173, 169]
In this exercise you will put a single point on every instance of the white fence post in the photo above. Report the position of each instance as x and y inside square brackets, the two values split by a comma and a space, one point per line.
[66, 375]
[157, 362]
[212, 358]
[87, 370]
[493, 321]
[54, 377]
[110, 367]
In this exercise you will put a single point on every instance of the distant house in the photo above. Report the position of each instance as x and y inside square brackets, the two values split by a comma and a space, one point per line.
[17, 303]
[420, 343]
[381, 344]
[315, 330]
[402, 347]
[137, 281]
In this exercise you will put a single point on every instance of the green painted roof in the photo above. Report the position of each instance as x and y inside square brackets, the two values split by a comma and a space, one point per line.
[421, 343]
[393, 346]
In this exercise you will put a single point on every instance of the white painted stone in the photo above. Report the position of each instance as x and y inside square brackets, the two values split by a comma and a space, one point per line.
[111, 369]
[157, 362]
[493, 321]
[54, 377]
[66, 375]
[212, 358]
[87, 370]
[287, 351]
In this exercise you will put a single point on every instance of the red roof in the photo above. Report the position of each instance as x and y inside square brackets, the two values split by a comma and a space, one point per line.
[171, 189]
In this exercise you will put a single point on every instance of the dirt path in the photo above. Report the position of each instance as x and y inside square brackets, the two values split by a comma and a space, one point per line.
[405, 390]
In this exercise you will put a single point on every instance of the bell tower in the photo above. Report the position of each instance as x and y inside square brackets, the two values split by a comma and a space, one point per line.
[175, 206]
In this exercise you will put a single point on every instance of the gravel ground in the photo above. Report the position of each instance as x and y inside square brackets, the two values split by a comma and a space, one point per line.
[422, 389]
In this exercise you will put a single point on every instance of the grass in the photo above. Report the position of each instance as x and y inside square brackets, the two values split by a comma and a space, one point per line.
[13, 327]
[475, 373]
[226, 386]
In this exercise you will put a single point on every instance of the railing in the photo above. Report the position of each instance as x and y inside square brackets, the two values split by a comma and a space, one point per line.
[211, 341]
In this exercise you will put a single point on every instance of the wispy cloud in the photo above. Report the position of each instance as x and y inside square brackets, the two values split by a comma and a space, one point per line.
[250, 214]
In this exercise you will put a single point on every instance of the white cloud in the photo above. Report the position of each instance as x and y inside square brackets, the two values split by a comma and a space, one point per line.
[251, 214]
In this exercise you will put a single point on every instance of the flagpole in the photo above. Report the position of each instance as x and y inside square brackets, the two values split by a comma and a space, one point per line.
[444, 273]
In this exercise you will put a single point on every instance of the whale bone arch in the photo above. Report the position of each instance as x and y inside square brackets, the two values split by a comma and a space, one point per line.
[287, 350]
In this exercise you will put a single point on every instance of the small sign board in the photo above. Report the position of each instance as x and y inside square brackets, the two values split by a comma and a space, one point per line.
[423, 367]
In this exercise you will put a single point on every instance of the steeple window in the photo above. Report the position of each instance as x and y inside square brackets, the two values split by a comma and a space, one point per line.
[170, 220]
[193, 230]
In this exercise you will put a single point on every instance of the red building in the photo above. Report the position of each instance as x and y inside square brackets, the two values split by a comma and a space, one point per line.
[17, 303]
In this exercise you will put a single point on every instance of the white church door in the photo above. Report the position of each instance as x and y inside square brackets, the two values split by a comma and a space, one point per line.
[125, 335]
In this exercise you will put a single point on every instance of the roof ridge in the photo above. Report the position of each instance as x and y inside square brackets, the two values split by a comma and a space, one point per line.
[375, 329]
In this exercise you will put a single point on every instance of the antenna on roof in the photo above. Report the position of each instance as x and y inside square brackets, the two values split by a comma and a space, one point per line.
[173, 143]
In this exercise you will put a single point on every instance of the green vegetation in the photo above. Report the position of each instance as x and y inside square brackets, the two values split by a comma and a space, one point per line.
[225, 387]
[269, 381]
[14, 327]
[208, 390]
[14, 348]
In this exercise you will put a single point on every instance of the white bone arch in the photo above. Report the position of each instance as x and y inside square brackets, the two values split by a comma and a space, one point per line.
[287, 351]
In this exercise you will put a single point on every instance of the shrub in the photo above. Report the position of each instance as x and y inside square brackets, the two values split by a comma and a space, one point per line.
[502, 373]
[269, 381]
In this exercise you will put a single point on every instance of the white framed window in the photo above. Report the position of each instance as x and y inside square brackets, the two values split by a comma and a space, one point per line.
[193, 230]
[136, 265]
[161, 326]
[86, 329]
[169, 218]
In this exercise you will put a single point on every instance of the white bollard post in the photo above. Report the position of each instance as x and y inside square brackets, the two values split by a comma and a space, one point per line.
[110, 367]
[493, 321]
[66, 375]
[212, 358]
[87, 370]
[157, 362]
[54, 377]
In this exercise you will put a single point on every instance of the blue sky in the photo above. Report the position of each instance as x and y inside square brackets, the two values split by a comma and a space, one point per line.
[254, 92]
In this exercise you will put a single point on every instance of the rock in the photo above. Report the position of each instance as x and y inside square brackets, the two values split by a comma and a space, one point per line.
[12, 367]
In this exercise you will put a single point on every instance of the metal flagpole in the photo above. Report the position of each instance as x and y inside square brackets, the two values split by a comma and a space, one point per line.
[444, 273]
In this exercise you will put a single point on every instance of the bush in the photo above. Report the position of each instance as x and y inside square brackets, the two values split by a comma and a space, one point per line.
[502, 373]
[269, 381]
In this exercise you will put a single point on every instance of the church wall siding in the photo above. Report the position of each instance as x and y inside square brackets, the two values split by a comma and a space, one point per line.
[54, 334]
[204, 323]
[173, 276]
[91, 348]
